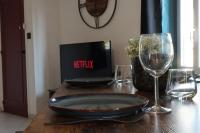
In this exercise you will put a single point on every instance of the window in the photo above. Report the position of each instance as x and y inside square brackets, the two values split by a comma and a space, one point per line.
[189, 34]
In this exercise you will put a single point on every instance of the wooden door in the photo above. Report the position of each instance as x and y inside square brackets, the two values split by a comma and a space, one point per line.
[13, 57]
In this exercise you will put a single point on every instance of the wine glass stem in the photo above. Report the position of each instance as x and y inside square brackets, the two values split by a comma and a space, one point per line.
[156, 87]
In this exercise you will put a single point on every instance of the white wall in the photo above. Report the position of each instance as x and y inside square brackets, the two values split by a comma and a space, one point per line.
[42, 20]
[124, 25]
[45, 20]
[53, 39]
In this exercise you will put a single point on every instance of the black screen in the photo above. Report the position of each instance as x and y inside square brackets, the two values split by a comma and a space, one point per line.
[85, 60]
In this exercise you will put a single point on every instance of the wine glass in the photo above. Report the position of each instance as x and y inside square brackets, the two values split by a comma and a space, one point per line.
[156, 54]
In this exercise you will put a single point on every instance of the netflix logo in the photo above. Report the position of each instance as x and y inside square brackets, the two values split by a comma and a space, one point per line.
[83, 64]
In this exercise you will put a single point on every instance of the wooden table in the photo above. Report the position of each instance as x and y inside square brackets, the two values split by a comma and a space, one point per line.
[184, 118]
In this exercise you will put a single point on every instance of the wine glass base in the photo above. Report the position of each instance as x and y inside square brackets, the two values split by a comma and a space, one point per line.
[158, 109]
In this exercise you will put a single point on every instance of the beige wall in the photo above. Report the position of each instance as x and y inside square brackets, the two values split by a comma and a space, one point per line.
[42, 20]
[124, 25]
[45, 22]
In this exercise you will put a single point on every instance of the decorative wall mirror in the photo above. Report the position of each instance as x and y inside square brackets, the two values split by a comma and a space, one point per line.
[97, 13]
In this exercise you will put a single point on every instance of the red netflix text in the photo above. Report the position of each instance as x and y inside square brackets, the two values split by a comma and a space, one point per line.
[83, 64]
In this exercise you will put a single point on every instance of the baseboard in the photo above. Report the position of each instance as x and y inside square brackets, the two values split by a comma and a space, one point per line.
[1, 107]
[19, 131]
[31, 116]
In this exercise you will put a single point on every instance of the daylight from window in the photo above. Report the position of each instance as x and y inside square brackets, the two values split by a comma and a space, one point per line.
[186, 33]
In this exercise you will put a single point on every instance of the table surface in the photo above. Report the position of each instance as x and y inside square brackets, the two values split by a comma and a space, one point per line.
[184, 118]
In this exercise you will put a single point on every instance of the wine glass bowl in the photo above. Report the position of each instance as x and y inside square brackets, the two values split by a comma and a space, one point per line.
[156, 54]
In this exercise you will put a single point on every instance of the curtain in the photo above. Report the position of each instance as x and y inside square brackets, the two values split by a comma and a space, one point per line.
[169, 23]
[159, 16]
[151, 16]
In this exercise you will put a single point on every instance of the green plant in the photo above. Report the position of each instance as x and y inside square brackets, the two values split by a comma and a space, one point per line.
[133, 45]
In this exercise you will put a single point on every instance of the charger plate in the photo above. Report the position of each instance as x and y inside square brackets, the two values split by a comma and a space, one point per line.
[97, 105]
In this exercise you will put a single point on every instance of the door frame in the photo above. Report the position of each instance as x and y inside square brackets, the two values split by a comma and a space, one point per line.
[30, 70]
[196, 54]
[1, 74]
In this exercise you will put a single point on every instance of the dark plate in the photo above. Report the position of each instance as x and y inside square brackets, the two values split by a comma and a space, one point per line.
[126, 119]
[98, 105]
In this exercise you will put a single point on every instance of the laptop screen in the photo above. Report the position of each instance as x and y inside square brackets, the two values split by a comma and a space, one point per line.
[86, 60]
